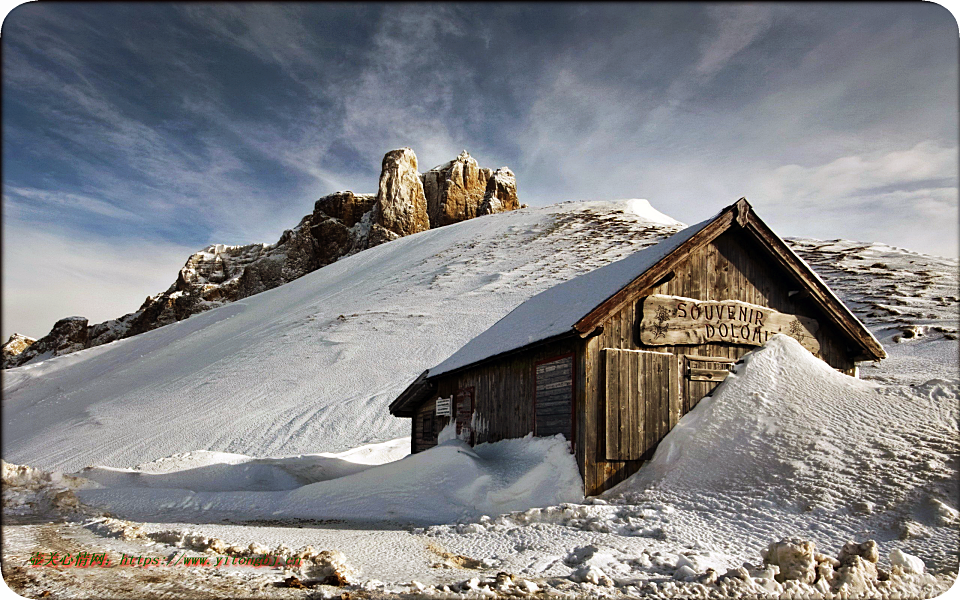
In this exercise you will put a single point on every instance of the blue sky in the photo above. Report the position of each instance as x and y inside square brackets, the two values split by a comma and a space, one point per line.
[135, 134]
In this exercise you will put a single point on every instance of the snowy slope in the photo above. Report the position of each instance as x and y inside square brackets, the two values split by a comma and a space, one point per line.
[787, 446]
[312, 365]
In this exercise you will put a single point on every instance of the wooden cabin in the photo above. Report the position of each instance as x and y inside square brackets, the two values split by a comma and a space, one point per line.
[612, 359]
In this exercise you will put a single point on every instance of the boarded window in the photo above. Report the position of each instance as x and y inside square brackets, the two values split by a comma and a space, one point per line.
[701, 374]
[642, 401]
[554, 397]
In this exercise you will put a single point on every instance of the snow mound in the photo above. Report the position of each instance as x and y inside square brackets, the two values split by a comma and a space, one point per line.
[444, 484]
[644, 210]
[204, 471]
[787, 445]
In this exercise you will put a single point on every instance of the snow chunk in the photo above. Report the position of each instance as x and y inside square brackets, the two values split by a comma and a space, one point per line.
[795, 559]
[908, 562]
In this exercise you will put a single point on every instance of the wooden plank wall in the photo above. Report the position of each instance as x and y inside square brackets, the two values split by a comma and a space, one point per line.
[729, 268]
[554, 395]
[420, 440]
[504, 390]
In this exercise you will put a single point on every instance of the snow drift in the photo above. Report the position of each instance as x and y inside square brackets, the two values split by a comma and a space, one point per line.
[788, 446]
[444, 484]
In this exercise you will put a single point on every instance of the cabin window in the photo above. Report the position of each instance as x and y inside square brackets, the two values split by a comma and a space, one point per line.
[553, 399]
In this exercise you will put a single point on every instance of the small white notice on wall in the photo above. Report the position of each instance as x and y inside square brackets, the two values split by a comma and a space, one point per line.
[445, 407]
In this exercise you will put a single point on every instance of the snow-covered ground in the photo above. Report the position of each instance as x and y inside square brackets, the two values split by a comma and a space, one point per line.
[262, 426]
[312, 365]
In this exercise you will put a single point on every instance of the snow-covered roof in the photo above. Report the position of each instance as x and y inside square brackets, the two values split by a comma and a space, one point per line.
[555, 311]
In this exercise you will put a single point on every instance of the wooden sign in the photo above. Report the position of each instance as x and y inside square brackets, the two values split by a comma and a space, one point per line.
[445, 407]
[677, 321]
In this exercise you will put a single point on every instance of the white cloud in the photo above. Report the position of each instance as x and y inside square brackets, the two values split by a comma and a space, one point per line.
[66, 202]
[852, 176]
[905, 198]
[49, 274]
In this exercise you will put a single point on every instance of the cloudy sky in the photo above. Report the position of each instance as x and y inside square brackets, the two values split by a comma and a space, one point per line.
[135, 134]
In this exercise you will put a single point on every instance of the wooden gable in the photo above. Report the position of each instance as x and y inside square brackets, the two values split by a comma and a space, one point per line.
[778, 259]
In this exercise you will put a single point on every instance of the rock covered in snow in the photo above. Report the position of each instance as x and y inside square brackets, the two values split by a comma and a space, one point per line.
[15, 345]
[501, 193]
[341, 223]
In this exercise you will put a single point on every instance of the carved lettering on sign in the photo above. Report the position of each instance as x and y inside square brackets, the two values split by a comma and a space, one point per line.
[674, 320]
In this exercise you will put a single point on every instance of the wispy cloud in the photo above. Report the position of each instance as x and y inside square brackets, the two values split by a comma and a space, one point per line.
[927, 165]
[737, 26]
[188, 124]
[50, 273]
[65, 203]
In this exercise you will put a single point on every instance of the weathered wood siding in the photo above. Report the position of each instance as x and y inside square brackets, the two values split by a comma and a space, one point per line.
[504, 394]
[423, 438]
[731, 267]
[554, 396]
[639, 389]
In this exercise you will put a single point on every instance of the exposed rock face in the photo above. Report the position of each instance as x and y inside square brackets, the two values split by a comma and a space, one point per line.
[455, 190]
[501, 193]
[401, 207]
[341, 223]
[15, 345]
[68, 335]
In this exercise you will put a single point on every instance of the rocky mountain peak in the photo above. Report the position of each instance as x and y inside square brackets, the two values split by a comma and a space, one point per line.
[341, 223]
[401, 207]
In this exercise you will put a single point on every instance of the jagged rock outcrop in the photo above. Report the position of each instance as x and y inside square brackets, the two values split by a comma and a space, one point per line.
[341, 223]
[461, 190]
[455, 190]
[15, 345]
[401, 207]
[501, 193]
[68, 335]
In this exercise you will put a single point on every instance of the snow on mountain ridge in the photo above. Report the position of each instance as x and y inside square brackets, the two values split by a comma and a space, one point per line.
[309, 366]
[341, 224]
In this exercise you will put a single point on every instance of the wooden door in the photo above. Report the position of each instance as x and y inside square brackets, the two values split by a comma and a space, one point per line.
[700, 376]
[642, 401]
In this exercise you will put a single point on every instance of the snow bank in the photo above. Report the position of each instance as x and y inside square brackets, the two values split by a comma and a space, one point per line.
[449, 482]
[788, 446]
[203, 471]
